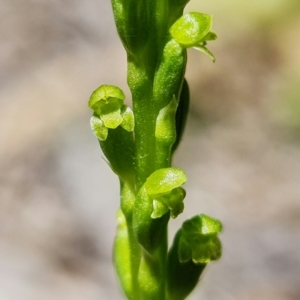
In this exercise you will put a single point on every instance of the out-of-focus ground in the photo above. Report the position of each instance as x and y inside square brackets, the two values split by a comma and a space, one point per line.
[241, 150]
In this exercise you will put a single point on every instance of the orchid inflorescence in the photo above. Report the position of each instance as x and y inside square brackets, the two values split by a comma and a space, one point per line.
[139, 145]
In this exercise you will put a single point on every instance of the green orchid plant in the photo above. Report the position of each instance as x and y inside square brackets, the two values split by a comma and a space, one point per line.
[139, 145]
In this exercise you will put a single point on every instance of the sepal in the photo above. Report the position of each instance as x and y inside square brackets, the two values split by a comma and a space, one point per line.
[159, 209]
[164, 180]
[191, 28]
[172, 201]
[164, 188]
[98, 128]
[128, 118]
[103, 93]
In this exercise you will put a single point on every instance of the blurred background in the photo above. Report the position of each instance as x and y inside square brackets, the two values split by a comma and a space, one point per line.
[241, 150]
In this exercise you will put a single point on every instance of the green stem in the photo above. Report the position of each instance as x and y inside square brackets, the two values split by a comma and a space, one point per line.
[140, 83]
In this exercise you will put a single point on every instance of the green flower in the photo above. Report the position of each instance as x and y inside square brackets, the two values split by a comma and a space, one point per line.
[164, 187]
[194, 30]
[107, 102]
[199, 240]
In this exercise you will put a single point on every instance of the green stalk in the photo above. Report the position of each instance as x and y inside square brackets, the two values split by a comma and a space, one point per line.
[141, 89]
[153, 264]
